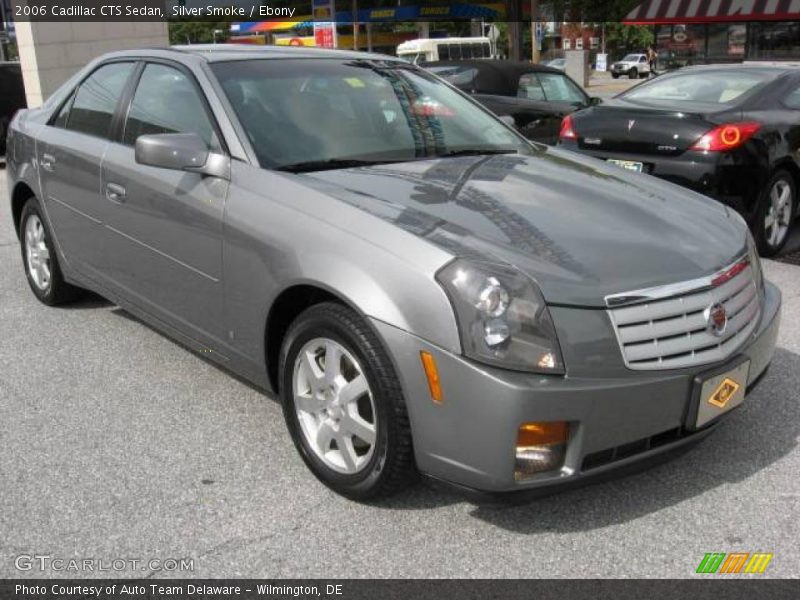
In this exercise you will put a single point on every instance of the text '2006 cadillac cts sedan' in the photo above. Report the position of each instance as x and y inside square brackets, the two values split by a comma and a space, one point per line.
[424, 289]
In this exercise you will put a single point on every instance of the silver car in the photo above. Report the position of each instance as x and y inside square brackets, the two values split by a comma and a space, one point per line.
[425, 290]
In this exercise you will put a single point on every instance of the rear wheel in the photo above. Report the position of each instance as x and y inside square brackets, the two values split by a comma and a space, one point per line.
[40, 260]
[343, 404]
[633, 73]
[776, 211]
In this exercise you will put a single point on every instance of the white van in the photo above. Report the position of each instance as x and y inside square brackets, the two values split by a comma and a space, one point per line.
[431, 50]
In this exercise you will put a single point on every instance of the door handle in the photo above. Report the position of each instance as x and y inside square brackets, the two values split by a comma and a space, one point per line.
[115, 192]
[48, 162]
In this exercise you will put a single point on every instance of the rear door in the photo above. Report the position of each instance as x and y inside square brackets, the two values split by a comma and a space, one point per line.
[70, 150]
[166, 247]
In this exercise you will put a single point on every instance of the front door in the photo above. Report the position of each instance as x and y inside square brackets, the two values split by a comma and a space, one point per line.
[167, 224]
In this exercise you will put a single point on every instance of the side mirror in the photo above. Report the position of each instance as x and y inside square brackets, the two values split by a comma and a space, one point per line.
[594, 101]
[508, 120]
[181, 152]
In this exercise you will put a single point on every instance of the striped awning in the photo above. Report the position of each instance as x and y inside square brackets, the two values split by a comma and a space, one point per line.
[713, 11]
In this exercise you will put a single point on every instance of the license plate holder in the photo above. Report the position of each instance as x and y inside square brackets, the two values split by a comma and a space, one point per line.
[628, 165]
[717, 392]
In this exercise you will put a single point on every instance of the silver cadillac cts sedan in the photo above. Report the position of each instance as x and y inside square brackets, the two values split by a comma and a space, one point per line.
[425, 290]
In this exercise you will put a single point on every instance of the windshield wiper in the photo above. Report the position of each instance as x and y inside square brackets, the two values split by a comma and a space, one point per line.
[473, 152]
[330, 164]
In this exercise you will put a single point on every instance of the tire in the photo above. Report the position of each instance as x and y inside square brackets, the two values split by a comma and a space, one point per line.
[776, 210]
[615, 75]
[39, 258]
[633, 73]
[373, 471]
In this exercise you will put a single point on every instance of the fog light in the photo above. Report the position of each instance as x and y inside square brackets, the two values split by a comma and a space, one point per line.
[540, 447]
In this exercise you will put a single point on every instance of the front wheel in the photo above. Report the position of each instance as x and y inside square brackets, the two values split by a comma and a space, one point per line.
[343, 404]
[633, 73]
[615, 75]
[40, 260]
[776, 210]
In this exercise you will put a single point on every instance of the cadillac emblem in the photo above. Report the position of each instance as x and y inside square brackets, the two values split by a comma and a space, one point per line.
[717, 319]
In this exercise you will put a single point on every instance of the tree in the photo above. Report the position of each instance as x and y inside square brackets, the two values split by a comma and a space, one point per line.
[198, 32]
[621, 39]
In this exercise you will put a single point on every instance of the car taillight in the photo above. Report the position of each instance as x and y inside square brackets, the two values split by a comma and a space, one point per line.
[726, 137]
[567, 129]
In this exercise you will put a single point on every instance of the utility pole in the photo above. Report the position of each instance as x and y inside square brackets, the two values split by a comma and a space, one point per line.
[3, 32]
[355, 24]
[536, 54]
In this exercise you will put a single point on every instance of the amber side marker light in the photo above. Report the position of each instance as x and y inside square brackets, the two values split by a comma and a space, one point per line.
[540, 447]
[432, 373]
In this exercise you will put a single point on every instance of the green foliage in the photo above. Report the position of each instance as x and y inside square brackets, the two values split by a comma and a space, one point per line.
[628, 38]
[198, 32]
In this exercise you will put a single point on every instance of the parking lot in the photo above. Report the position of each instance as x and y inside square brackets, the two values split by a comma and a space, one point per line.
[119, 443]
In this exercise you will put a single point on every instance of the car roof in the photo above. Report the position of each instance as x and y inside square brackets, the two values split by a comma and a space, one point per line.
[755, 66]
[497, 77]
[486, 64]
[212, 53]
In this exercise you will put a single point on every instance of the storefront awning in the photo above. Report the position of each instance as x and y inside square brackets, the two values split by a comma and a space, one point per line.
[713, 11]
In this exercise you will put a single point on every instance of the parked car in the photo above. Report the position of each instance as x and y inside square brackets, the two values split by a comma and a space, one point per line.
[423, 288]
[632, 65]
[12, 97]
[535, 96]
[557, 63]
[731, 132]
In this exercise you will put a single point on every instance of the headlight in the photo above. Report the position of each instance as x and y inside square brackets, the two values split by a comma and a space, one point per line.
[502, 317]
[755, 262]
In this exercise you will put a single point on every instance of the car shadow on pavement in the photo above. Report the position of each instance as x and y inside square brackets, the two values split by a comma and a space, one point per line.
[88, 300]
[760, 433]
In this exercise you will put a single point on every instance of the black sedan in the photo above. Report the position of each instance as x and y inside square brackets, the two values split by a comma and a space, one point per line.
[12, 97]
[537, 97]
[730, 132]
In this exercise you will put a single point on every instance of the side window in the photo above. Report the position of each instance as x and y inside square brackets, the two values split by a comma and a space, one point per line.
[166, 101]
[96, 99]
[793, 99]
[642, 59]
[530, 88]
[558, 88]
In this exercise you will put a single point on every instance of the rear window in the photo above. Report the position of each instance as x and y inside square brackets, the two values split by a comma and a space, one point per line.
[709, 87]
[460, 76]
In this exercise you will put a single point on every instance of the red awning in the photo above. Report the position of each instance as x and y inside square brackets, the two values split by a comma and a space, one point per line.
[713, 11]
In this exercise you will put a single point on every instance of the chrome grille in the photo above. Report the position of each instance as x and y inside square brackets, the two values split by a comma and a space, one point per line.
[673, 332]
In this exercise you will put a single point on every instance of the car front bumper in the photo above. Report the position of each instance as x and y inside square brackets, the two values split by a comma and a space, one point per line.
[616, 421]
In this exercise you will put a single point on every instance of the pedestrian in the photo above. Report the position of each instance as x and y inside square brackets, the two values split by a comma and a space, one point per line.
[652, 56]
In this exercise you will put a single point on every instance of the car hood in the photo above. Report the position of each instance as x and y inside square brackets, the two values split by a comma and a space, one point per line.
[580, 228]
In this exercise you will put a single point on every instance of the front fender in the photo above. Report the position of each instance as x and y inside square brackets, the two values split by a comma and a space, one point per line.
[293, 235]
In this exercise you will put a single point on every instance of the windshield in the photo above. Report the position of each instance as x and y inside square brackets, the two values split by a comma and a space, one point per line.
[317, 111]
[709, 87]
[631, 58]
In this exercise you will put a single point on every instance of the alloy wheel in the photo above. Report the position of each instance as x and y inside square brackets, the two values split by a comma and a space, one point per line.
[36, 253]
[335, 406]
[779, 213]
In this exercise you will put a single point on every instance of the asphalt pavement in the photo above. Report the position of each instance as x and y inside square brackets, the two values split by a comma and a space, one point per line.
[118, 443]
